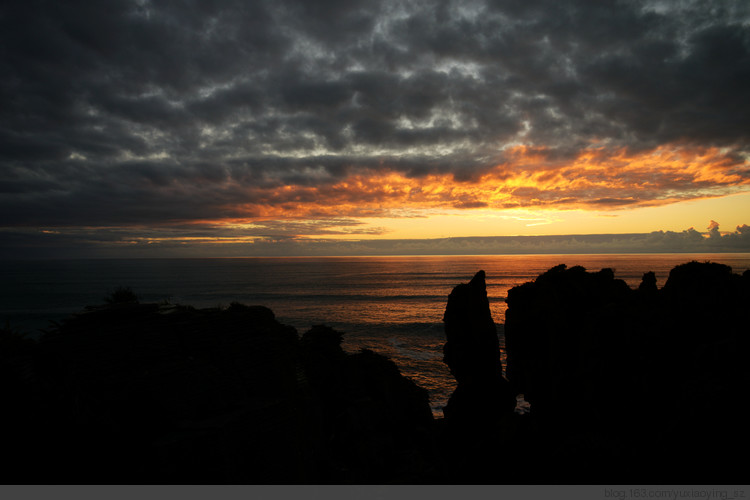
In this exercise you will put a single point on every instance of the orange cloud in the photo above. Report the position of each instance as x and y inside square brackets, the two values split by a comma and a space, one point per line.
[596, 178]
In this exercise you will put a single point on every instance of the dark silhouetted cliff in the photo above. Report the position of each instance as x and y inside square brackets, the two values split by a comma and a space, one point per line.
[145, 393]
[652, 382]
[626, 386]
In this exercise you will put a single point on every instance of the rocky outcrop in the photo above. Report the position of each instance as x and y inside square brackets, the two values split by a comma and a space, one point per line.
[472, 352]
[560, 331]
[646, 380]
[375, 423]
[647, 285]
[145, 393]
[626, 386]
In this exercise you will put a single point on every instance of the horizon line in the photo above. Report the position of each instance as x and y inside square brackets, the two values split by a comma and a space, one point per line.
[518, 254]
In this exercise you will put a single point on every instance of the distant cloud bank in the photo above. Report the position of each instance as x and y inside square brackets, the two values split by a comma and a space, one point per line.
[688, 241]
[115, 244]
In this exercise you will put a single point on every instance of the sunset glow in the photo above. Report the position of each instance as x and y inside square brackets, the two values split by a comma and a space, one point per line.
[596, 179]
[281, 127]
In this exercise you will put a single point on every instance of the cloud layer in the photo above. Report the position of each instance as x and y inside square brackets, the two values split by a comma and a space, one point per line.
[161, 114]
[211, 241]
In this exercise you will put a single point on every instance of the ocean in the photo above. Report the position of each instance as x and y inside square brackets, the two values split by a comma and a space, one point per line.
[392, 305]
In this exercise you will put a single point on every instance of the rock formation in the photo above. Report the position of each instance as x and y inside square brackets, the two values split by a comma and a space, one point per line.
[375, 422]
[560, 330]
[648, 284]
[145, 393]
[472, 353]
[626, 386]
[646, 380]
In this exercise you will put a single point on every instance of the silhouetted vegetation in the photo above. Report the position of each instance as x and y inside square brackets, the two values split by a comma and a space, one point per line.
[121, 295]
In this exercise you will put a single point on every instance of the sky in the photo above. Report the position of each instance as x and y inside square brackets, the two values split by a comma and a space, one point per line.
[223, 128]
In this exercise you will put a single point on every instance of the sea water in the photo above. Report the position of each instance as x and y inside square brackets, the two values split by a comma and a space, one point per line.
[392, 305]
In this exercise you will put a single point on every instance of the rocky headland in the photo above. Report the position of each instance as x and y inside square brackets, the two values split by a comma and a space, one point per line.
[626, 385]
[635, 386]
[130, 393]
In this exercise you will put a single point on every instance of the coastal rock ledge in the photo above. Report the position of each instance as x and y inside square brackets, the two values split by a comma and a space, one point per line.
[652, 382]
[626, 386]
[130, 393]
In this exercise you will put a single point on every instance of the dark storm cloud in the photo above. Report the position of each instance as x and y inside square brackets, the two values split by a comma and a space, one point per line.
[151, 112]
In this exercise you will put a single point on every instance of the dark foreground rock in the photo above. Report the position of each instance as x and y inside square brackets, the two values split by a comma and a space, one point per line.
[472, 352]
[144, 393]
[636, 386]
[479, 422]
[626, 387]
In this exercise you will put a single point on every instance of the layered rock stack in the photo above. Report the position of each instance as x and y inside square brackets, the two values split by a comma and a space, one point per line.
[647, 380]
[472, 352]
[566, 333]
